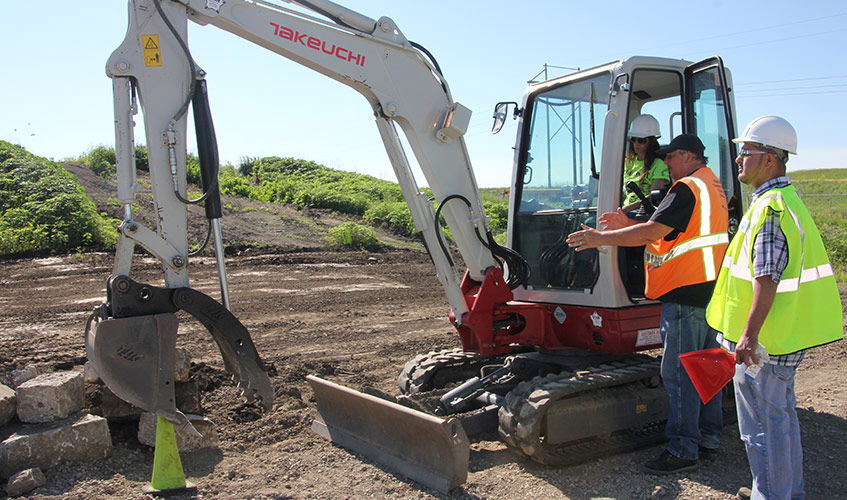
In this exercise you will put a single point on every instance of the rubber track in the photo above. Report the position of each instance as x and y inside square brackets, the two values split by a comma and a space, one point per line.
[522, 416]
[419, 371]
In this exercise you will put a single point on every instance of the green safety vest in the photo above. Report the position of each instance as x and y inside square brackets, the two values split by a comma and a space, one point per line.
[806, 311]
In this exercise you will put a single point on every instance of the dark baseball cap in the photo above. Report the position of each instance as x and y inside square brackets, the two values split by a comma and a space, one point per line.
[685, 142]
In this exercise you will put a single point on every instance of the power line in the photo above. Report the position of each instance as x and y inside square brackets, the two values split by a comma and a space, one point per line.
[781, 39]
[765, 28]
[791, 94]
[814, 87]
[793, 80]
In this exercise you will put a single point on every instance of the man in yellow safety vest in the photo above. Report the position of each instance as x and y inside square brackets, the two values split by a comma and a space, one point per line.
[775, 273]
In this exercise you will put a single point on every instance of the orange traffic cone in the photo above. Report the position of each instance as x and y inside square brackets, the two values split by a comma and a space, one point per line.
[709, 370]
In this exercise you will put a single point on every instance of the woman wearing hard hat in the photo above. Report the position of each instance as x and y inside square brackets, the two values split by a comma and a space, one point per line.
[641, 164]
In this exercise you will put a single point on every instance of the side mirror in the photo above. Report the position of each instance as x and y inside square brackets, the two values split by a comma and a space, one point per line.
[501, 111]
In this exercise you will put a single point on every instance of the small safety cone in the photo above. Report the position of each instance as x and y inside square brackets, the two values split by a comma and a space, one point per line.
[168, 476]
[709, 370]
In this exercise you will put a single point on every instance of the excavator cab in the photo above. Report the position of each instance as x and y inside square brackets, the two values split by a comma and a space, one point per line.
[571, 147]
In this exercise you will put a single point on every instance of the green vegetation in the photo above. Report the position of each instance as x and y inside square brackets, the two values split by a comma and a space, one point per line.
[310, 185]
[825, 193]
[44, 209]
[354, 235]
[101, 160]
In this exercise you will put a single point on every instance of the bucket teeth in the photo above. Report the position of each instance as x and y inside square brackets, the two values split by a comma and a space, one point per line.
[262, 396]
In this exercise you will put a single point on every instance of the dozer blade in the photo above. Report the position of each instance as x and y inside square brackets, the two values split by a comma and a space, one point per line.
[428, 449]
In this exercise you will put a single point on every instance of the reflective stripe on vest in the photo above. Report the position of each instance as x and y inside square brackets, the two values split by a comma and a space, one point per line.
[742, 271]
[707, 241]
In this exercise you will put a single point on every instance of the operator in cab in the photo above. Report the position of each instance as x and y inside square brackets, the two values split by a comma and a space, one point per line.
[641, 164]
[685, 238]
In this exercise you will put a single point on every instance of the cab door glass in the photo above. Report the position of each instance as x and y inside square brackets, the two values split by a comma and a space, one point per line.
[708, 118]
[657, 93]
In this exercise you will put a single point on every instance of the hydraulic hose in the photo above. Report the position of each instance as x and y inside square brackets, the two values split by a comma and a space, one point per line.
[518, 268]
[207, 150]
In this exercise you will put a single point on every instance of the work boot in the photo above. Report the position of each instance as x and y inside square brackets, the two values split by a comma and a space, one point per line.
[668, 463]
[708, 453]
[744, 493]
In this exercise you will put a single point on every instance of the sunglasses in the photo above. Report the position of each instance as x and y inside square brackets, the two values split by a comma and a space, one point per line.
[639, 140]
[749, 152]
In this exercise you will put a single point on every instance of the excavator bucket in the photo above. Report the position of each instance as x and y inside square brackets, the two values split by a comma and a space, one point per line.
[135, 358]
[430, 450]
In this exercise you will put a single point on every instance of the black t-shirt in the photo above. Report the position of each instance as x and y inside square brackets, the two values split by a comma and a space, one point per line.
[675, 211]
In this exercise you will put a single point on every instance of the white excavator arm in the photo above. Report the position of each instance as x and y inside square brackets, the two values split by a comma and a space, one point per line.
[402, 85]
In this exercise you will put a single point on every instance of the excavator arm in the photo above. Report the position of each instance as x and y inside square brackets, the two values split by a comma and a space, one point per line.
[134, 332]
[404, 88]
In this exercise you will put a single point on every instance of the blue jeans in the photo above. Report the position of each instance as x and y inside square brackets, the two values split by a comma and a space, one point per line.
[691, 424]
[767, 421]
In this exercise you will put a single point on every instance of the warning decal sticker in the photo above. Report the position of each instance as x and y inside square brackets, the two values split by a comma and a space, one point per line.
[152, 50]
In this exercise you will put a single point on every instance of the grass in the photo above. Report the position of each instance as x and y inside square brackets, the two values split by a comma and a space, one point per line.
[825, 194]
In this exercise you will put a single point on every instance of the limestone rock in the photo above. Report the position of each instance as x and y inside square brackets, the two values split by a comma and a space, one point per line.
[50, 397]
[83, 438]
[25, 481]
[29, 372]
[8, 402]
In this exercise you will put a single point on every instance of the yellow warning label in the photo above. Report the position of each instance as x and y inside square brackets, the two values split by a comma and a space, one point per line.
[152, 52]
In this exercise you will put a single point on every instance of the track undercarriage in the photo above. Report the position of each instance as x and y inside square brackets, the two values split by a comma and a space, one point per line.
[557, 408]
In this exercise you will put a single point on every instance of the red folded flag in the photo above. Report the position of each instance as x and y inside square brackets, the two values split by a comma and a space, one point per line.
[709, 370]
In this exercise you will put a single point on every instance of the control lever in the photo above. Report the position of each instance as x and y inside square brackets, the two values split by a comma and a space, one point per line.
[646, 202]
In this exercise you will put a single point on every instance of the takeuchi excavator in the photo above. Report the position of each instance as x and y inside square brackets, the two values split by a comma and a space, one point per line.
[552, 340]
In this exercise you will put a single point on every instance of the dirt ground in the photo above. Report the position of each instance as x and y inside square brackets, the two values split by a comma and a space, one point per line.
[354, 318]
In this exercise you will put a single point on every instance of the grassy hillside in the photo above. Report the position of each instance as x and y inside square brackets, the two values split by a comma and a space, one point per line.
[44, 209]
[305, 183]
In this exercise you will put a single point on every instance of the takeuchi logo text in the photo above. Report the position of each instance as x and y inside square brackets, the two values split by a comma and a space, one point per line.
[318, 44]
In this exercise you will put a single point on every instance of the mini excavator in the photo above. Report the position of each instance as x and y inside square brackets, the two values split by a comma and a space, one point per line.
[553, 342]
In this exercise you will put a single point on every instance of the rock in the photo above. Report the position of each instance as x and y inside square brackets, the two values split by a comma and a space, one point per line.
[7, 404]
[90, 373]
[185, 441]
[182, 365]
[102, 401]
[187, 396]
[659, 492]
[51, 396]
[25, 481]
[83, 438]
[29, 372]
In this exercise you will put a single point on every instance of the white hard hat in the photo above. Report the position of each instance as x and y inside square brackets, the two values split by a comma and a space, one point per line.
[644, 126]
[770, 131]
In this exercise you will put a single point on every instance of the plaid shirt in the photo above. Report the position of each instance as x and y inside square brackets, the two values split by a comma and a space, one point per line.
[770, 257]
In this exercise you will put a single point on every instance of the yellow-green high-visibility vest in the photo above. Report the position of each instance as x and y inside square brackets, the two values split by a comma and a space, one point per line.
[807, 308]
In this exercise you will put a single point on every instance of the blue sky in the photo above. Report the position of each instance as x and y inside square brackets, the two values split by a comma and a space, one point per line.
[787, 58]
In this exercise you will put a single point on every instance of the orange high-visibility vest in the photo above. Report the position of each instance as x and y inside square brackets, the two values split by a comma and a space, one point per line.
[695, 255]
